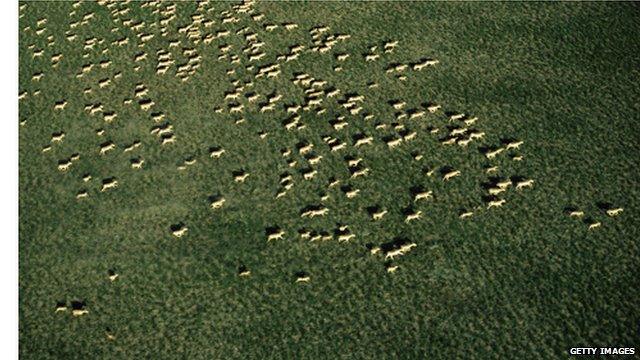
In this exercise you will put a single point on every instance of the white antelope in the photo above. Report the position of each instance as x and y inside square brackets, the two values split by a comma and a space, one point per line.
[266, 108]
[180, 232]
[416, 115]
[410, 136]
[399, 105]
[79, 312]
[110, 184]
[449, 141]
[244, 273]
[514, 144]
[137, 163]
[392, 254]
[352, 193]
[241, 177]
[524, 184]
[415, 216]
[407, 247]
[338, 146]
[504, 184]
[491, 169]
[359, 173]
[236, 109]
[146, 105]
[134, 145]
[371, 57]
[276, 235]
[393, 143]
[496, 203]
[305, 149]
[333, 93]
[107, 147]
[464, 142]
[57, 137]
[315, 160]
[340, 125]
[594, 225]
[614, 212]
[576, 213]
[64, 166]
[425, 195]
[168, 140]
[310, 174]
[60, 105]
[109, 117]
[451, 175]
[317, 212]
[433, 108]
[471, 121]
[494, 153]
[346, 237]
[379, 214]
[104, 83]
[303, 279]
[216, 153]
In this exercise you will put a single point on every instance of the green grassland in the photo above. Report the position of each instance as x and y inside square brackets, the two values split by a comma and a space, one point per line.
[524, 280]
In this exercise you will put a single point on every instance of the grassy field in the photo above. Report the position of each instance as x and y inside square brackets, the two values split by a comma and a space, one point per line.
[524, 280]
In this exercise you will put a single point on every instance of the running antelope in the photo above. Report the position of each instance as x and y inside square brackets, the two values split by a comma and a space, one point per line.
[451, 175]
[133, 145]
[594, 225]
[276, 235]
[60, 105]
[496, 203]
[393, 143]
[309, 174]
[303, 279]
[614, 212]
[109, 184]
[414, 216]
[494, 153]
[352, 193]
[180, 232]
[57, 137]
[514, 144]
[576, 213]
[216, 153]
[137, 163]
[425, 195]
[240, 178]
[217, 204]
[433, 108]
[64, 165]
[524, 184]
[168, 139]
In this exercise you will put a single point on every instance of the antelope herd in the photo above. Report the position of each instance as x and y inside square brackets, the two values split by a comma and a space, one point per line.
[328, 122]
